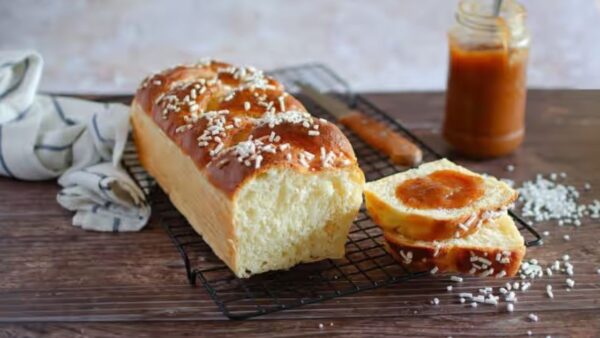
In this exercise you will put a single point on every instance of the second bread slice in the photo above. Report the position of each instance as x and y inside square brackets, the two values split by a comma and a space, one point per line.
[497, 249]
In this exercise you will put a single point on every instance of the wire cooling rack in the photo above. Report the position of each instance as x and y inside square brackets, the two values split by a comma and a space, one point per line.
[366, 264]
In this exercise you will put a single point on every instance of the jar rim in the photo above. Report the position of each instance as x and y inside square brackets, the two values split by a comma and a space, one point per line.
[476, 15]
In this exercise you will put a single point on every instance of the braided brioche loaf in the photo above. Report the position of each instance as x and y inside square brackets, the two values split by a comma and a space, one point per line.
[266, 184]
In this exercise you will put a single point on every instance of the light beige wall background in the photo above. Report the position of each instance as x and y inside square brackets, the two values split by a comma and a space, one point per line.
[108, 46]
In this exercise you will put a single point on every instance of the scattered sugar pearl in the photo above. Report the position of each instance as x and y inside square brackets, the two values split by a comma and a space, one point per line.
[462, 300]
[587, 186]
[529, 333]
[474, 304]
[321, 325]
[533, 317]
[598, 271]
[449, 287]
[546, 233]
[570, 282]
[563, 175]
[456, 279]
[510, 168]
[543, 199]
[510, 307]
[510, 297]
[566, 258]
[567, 237]
[435, 301]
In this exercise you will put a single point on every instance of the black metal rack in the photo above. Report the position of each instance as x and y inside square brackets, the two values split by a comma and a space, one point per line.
[366, 264]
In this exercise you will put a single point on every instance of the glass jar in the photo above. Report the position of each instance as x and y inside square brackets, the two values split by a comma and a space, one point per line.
[486, 92]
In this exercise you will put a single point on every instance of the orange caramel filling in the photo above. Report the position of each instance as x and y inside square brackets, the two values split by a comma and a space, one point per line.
[443, 189]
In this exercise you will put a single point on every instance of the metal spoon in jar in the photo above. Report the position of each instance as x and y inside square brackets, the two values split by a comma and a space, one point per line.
[497, 6]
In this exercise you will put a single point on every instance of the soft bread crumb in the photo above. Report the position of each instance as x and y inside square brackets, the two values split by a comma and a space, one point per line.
[285, 217]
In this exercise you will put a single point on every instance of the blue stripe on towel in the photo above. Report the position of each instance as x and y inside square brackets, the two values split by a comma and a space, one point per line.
[16, 84]
[97, 130]
[2, 161]
[62, 193]
[103, 188]
[22, 114]
[61, 112]
[106, 205]
[116, 224]
[52, 147]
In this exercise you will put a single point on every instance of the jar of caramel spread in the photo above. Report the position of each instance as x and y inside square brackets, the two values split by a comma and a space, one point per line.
[442, 189]
[485, 98]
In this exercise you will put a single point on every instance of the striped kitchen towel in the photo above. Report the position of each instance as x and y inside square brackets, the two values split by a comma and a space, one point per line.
[80, 142]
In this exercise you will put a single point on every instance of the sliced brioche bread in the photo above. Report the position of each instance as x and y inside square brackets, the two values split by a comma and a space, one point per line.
[437, 222]
[496, 249]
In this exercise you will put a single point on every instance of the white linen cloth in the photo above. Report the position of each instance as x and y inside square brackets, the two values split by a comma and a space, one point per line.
[81, 142]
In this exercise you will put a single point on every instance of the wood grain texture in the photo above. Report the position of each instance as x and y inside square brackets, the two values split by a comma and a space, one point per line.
[59, 281]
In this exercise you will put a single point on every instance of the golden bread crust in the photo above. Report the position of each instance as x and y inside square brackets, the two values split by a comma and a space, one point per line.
[246, 106]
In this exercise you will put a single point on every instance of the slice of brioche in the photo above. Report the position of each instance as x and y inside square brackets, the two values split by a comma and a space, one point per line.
[390, 213]
[496, 249]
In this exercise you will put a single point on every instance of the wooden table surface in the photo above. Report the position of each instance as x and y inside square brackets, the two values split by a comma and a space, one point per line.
[57, 280]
